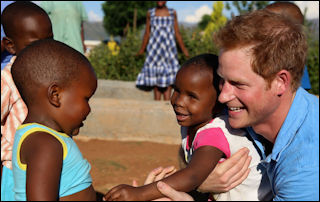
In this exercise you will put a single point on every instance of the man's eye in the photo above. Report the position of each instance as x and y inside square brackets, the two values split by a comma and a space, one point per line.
[240, 86]
[237, 84]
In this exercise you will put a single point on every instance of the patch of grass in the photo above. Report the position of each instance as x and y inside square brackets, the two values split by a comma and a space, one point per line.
[103, 164]
[116, 165]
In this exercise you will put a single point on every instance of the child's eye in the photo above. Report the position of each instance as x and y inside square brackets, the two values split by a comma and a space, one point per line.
[193, 96]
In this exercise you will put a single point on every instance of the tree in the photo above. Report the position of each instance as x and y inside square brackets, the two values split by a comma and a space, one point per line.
[217, 19]
[246, 6]
[119, 16]
[204, 21]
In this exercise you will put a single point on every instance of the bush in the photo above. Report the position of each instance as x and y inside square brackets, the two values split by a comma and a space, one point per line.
[124, 66]
[195, 43]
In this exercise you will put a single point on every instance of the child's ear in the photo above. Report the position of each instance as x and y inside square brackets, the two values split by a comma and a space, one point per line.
[9, 45]
[54, 94]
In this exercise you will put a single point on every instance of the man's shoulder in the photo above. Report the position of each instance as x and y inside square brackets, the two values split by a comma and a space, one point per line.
[306, 107]
[311, 103]
[310, 98]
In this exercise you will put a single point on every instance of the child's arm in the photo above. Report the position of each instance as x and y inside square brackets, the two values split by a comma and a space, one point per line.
[203, 162]
[146, 35]
[43, 155]
[178, 36]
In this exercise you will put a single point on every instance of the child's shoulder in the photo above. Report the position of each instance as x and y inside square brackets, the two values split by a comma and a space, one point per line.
[172, 11]
[223, 123]
[43, 133]
[25, 130]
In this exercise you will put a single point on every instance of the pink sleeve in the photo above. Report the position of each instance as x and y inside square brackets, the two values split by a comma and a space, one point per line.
[212, 137]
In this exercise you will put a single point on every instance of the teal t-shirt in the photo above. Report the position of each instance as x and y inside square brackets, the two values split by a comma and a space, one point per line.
[75, 173]
[66, 18]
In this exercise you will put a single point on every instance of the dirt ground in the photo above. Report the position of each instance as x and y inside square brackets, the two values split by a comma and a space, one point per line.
[118, 162]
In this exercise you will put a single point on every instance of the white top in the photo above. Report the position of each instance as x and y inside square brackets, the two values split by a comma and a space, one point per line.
[256, 186]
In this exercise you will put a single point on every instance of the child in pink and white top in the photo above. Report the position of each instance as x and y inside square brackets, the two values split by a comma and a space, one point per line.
[219, 134]
[207, 138]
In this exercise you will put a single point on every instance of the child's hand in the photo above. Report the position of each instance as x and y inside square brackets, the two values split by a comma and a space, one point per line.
[123, 192]
[157, 174]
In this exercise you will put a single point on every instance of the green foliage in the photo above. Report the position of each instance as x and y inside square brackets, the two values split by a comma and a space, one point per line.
[313, 57]
[196, 43]
[313, 66]
[124, 66]
[118, 15]
[245, 6]
[204, 21]
[217, 20]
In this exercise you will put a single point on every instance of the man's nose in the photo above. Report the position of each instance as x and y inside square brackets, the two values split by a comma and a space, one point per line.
[226, 93]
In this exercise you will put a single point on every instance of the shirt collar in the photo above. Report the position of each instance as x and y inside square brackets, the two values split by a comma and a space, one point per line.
[288, 130]
[292, 123]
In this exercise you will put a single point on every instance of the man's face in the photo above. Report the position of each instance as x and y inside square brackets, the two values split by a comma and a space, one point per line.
[249, 101]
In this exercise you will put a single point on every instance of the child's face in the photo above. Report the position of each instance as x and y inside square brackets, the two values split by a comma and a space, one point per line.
[75, 101]
[194, 97]
[29, 30]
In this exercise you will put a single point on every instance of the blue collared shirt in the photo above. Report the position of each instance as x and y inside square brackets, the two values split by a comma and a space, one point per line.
[293, 164]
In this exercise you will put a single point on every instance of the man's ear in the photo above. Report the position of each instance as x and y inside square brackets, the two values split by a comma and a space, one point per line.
[283, 82]
[9, 45]
[54, 94]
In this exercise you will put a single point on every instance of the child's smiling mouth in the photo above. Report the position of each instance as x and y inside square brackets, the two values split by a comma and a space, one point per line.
[181, 116]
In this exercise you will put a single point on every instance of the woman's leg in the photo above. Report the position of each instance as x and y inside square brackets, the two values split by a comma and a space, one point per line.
[157, 93]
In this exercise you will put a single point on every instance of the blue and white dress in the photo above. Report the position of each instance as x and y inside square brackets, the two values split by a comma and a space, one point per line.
[161, 64]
